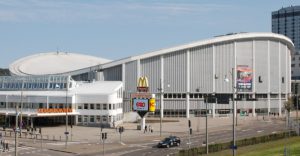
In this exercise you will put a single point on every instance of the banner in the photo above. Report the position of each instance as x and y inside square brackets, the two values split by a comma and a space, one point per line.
[244, 78]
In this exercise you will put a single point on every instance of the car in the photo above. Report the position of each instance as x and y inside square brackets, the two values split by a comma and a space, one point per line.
[169, 142]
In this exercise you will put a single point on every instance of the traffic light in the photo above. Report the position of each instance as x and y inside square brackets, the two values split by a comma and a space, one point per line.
[190, 124]
[191, 131]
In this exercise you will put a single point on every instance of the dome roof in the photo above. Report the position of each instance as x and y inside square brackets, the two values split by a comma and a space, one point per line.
[53, 63]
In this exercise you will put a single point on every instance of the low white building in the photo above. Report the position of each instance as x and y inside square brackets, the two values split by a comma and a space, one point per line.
[45, 100]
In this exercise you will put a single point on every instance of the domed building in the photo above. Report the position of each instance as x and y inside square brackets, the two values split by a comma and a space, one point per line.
[252, 68]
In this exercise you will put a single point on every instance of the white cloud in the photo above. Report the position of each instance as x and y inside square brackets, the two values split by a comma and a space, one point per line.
[70, 11]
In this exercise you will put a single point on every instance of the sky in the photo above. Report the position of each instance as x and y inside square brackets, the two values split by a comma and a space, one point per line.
[118, 29]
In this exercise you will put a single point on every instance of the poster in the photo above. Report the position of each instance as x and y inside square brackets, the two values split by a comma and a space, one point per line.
[244, 78]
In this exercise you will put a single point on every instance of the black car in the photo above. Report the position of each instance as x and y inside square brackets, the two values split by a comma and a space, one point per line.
[169, 142]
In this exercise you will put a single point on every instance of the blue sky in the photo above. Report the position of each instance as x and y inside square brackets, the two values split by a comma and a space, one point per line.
[118, 29]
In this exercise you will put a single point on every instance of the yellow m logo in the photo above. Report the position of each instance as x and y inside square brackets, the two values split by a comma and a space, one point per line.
[143, 82]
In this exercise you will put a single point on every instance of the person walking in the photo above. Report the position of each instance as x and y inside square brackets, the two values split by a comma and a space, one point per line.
[145, 130]
[7, 147]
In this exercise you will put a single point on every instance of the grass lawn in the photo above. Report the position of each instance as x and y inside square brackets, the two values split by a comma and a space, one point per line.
[273, 148]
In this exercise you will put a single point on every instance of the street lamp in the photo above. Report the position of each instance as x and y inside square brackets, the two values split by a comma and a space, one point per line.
[233, 110]
[67, 107]
[161, 89]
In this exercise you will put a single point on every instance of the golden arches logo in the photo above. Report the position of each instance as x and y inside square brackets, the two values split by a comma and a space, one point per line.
[143, 82]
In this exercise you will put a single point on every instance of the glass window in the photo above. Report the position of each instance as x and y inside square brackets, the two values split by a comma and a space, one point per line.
[79, 107]
[79, 118]
[92, 118]
[109, 106]
[98, 106]
[92, 106]
[104, 118]
[86, 106]
[104, 106]
[98, 119]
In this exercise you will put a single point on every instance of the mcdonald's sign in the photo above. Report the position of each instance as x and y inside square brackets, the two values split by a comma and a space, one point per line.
[143, 85]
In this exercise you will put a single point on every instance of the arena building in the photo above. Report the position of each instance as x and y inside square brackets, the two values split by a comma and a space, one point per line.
[252, 67]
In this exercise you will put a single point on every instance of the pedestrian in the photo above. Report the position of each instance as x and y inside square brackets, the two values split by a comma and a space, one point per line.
[3, 145]
[145, 130]
[6, 146]
[149, 128]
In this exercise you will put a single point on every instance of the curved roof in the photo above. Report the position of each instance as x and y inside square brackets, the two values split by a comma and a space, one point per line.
[215, 40]
[53, 63]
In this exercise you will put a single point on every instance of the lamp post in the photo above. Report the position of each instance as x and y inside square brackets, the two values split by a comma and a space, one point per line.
[16, 129]
[233, 113]
[233, 146]
[161, 112]
[67, 107]
[206, 131]
[161, 91]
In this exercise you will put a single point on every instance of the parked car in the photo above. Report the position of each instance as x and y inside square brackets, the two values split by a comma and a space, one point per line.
[169, 142]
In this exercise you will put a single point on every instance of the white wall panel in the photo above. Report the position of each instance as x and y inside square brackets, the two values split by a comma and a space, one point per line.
[151, 69]
[274, 67]
[224, 59]
[175, 72]
[201, 66]
[261, 66]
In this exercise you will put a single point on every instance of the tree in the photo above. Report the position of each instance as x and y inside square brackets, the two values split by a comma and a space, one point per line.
[289, 104]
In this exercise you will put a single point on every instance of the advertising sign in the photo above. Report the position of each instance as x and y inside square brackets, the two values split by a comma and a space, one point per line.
[152, 105]
[244, 78]
[140, 104]
[143, 85]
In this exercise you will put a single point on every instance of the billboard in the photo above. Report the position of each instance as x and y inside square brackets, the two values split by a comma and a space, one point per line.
[140, 104]
[244, 78]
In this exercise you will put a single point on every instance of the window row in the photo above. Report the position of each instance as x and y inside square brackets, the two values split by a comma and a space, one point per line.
[99, 118]
[92, 106]
[33, 85]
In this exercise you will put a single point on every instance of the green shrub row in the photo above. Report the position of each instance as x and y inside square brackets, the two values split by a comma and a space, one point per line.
[240, 143]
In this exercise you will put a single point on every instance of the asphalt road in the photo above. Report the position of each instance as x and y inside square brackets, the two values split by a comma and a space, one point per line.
[149, 148]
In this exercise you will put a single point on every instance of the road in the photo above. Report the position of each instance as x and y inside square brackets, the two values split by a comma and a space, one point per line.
[149, 148]
[141, 145]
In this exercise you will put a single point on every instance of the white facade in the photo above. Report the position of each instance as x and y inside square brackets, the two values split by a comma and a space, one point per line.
[90, 103]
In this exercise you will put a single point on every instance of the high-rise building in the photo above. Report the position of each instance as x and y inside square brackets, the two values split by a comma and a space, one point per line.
[286, 21]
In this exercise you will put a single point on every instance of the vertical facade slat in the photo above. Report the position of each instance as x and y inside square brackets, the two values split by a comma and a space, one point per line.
[224, 63]
[150, 68]
[261, 55]
[274, 67]
[201, 68]
[175, 72]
